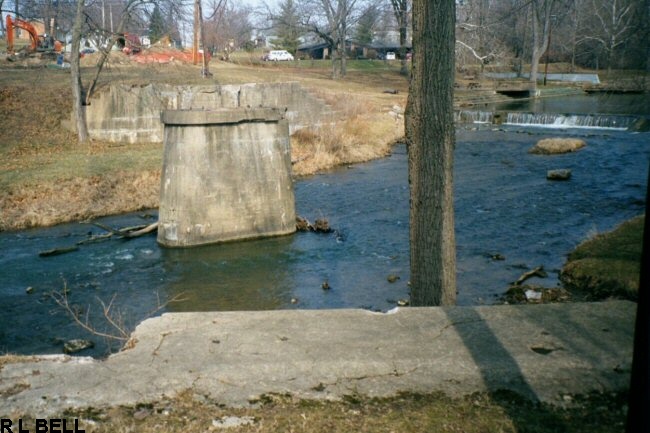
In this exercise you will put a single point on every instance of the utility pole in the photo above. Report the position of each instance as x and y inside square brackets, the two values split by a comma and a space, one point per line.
[204, 67]
[195, 41]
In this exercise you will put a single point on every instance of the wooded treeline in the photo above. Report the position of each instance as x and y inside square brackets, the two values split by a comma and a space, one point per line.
[597, 34]
[515, 34]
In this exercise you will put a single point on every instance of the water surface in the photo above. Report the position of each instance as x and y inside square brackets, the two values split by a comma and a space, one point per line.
[503, 202]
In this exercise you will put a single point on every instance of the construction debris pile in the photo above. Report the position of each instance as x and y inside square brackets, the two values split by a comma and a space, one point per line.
[155, 54]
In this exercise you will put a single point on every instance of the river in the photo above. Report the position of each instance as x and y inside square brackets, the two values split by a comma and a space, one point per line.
[503, 204]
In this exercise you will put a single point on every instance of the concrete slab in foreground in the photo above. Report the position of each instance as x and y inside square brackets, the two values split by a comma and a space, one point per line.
[542, 351]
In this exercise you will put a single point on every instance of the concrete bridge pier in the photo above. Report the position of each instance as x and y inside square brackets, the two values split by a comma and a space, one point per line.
[226, 176]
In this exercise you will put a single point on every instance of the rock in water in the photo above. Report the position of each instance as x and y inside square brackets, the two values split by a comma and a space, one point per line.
[77, 345]
[322, 226]
[560, 174]
[554, 146]
[302, 225]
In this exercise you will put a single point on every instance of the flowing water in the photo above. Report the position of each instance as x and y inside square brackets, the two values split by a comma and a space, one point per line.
[503, 202]
[604, 111]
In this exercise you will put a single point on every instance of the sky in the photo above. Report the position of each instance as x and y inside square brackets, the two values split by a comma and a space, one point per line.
[260, 2]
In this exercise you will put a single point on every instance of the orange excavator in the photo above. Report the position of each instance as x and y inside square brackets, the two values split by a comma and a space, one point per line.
[37, 43]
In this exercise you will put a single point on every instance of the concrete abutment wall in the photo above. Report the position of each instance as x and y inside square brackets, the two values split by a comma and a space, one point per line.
[226, 176]
[125, 113]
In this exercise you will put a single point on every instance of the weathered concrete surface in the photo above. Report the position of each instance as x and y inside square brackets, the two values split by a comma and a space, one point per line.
[226, 176]
[131, 114]
[542, 351]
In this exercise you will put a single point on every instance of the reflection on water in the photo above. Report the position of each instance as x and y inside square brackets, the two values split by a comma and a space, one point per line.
[235, 276]
[503, 202]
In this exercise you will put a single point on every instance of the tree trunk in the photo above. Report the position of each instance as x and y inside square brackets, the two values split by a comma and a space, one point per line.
[430, 139]
[537, 49]
[638, 416]
[106, 52]
[335, 68]
[541, 19]
[2, 19]
[400, 10]
[337, 61]
[402, 47]
[75, 74]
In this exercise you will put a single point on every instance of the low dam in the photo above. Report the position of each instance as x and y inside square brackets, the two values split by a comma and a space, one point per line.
[126, 113]
[226, 176]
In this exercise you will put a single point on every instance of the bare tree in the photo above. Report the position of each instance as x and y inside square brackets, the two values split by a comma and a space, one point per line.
[479, 36]
[75, 74]
[542, 13]
[228, 27]
[402, 10]
[576, 23]
[53, 13]
[331, 20]
[431, 141]
[130, 10]
[2, 21]
[615, 22]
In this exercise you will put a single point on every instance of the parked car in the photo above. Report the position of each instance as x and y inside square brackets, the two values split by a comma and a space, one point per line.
[278, 56]
[390, 55]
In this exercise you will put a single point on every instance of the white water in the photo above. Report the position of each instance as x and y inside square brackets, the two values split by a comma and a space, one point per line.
[550, 120]
[554, 120]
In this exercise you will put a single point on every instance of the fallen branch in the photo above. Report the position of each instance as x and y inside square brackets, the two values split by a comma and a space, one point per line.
[127, 232]
[537, 272]
[58, 251]
[143, 231]
[61, 298]
[103, 227]
[118, 330]
[95, 239]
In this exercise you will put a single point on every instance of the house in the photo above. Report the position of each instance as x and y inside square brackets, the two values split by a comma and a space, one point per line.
[376, 49]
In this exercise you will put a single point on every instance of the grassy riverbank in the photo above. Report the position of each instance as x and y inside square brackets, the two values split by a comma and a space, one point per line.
[608, 264]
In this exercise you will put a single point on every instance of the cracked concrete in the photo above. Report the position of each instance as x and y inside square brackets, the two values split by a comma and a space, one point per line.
[541, 351]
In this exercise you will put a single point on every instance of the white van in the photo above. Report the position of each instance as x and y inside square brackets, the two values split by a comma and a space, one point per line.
[279, 55]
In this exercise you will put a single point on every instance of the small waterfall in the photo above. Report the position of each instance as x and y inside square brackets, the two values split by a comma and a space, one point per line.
[607, 121]
[470, 116]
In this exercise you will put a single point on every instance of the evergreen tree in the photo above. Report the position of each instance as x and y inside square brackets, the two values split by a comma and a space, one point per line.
[366, 26]
[157, 27]
[287, 27]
